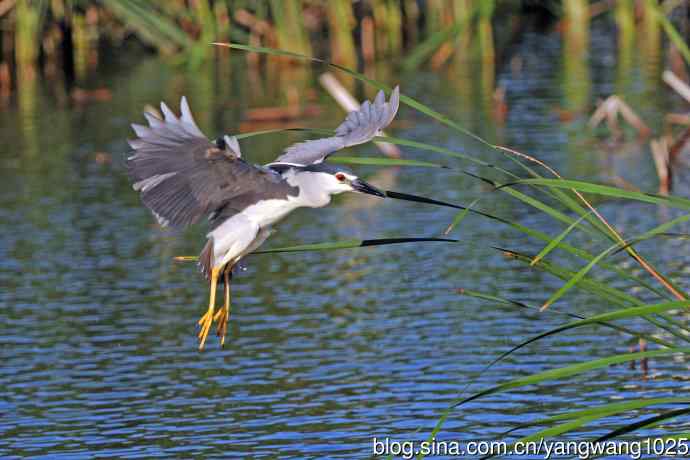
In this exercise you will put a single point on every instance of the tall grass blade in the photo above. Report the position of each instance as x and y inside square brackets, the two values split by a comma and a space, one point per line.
[347, 244]
[459, 217]
[515, 193]
[582, 272]
[420, 107]
[651, 421]
[601, 290]
[581, 321]
[671, 31]
[584, 420]
[550, 432]
[383, 161]
[597, 189]
[570, 371]
[605, 410]
[555, 242]
[410, 102]
[604, 318]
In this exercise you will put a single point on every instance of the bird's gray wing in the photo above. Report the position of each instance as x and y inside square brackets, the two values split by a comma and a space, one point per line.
[183, 176]
[359, 127]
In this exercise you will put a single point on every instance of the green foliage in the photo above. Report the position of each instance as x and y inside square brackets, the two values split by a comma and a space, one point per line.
[422, 52]
[183, 29]
[547, 196]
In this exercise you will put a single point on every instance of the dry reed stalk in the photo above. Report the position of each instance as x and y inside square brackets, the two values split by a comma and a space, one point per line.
[677, 118]
[678, 85]
[679, 144]
[5, 80]
[440, 57]
[661, 156]
[259, 26]
[368, 45]
[6, 6]
[610, 108]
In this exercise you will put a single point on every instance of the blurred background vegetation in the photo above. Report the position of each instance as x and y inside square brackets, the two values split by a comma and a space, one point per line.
[70, 44]
[67, 38]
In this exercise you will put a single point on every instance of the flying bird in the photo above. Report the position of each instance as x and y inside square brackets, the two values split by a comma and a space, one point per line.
[182, 176]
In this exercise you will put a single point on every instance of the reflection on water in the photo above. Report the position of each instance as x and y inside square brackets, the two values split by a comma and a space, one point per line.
[325, 350]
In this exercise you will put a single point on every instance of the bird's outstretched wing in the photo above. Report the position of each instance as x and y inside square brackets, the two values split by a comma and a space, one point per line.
[359, 127]
[183, 176]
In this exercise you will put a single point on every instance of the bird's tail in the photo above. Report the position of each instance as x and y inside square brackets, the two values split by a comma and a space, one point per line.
[206, 259]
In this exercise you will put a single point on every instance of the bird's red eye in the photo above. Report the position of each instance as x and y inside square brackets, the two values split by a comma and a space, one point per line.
[340, 177]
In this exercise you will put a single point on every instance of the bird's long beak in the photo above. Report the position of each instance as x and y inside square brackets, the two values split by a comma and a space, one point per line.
[361, 186]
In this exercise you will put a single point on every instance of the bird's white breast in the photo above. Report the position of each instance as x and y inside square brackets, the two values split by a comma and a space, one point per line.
[266, 213]
[246, 230]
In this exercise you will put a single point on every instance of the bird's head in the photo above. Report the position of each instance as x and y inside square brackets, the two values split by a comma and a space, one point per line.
[335, 179]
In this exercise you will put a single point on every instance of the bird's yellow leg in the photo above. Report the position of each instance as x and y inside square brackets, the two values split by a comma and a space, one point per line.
[206, 320]
[223, 314]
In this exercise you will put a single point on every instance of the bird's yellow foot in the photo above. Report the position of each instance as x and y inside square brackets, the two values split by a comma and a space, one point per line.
[205, 322]
[221, 317]
[223, 314]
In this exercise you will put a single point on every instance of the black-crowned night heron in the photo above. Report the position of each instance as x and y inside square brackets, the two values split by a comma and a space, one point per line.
[182, 176]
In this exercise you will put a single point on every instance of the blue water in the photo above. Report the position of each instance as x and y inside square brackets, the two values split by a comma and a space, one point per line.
[326, 350]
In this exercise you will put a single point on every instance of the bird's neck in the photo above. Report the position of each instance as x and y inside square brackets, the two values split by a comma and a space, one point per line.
[311, 191]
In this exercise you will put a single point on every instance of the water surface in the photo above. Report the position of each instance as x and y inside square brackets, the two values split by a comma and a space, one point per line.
[325, 350]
